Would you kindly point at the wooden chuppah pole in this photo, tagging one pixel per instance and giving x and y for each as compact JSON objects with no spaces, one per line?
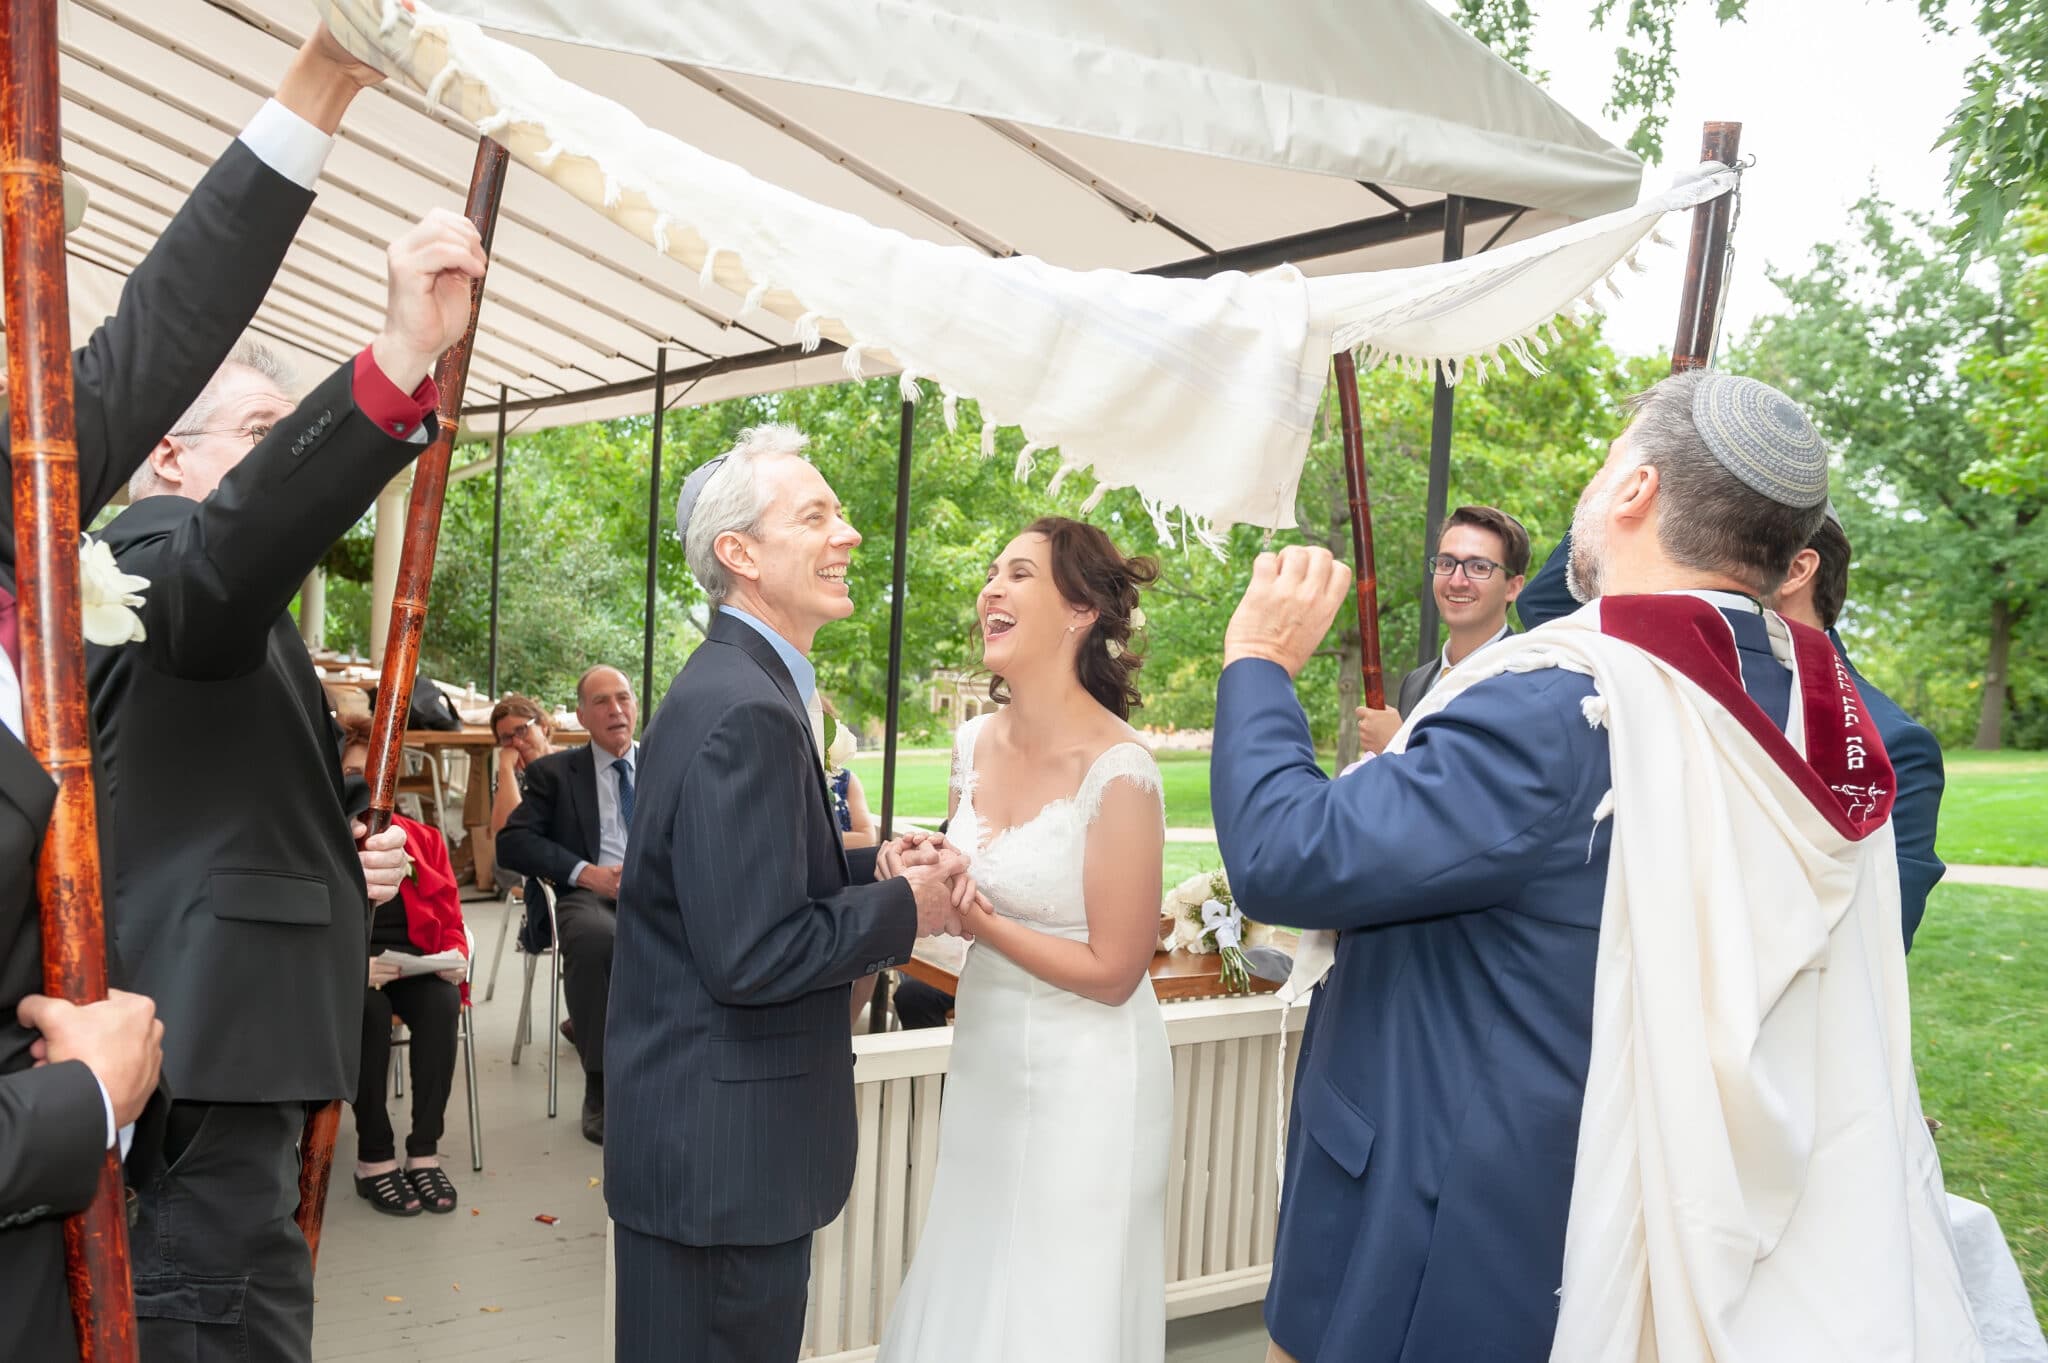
{"x":1706,"y":262}
{"x":408,"y":620}
{"x":55,"y":723}
{"x":1361,"y":533}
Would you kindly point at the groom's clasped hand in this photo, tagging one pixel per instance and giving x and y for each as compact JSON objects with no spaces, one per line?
{"x":938,"y":876}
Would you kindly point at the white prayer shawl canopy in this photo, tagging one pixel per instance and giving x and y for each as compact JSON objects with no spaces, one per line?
{"x":1199,"y":393}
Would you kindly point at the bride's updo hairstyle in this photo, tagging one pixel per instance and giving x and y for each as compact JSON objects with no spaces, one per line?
{"x":1089,"y":570}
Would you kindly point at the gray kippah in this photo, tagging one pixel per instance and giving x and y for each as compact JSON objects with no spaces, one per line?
{"x":1762,"y":437}
{"x":693,"y":488}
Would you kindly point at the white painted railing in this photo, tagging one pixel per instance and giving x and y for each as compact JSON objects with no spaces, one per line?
{"x":1221,"y":1194}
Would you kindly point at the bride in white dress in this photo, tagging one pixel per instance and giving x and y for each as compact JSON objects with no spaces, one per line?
{"x":1045,"y":1242}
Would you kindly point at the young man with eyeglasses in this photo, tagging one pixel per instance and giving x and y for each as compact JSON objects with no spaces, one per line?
{"x":1476,"y":573}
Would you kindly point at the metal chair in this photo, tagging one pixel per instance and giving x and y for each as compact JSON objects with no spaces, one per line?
{"x":400,"y":1037}
{"x":515,"y":906}
{"x":420,"y":778}
{"x":522,"y":1031}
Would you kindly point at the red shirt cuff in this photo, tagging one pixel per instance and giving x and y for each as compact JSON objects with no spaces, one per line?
{"x":398,"y":414}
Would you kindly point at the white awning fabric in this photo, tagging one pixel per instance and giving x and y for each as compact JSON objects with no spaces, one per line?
{"x":1198,"y":392}
{"x":1310,"y":131}
{"x":1378,"y":90}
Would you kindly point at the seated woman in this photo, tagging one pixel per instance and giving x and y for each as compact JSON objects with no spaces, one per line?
{"x":424,"y":920}
{"x":525,"y":733}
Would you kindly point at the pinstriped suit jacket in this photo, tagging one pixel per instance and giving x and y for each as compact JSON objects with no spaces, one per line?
{"x":729,"y":1116}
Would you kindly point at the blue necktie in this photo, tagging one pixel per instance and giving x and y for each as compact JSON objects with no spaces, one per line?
{"x":624,"y":767}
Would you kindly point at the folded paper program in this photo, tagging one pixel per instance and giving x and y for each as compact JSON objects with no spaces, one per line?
{"x":1198,"y":393}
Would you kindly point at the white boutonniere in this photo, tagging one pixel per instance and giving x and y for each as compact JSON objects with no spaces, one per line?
{"x":839,"y":747}
{"x":108,"y":597}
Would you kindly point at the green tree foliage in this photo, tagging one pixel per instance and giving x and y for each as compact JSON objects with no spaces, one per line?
{"x":1645,"y":62}
{"x":1899,"y":356}
{"x":1999,"y":133}
{"x":574,"y":543}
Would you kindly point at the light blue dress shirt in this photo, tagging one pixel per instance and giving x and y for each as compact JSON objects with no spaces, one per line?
{"x":800,"y":670}
{"x":611,"y":824}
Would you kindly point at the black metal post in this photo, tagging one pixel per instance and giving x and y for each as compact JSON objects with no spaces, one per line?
{"x":896,"y":591}
{"x":878,"y":1012}
{"x":654,"y":525}
{"x":1426,"y":644}
{"x":497,"y":525}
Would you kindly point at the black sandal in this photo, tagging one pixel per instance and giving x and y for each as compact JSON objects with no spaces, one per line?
{"x":436,"y":1191}
{"x":389,"y":1193}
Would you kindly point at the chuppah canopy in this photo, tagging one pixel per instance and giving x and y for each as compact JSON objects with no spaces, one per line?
{"x":1197,"y":391}
{"x":1340,"y":131}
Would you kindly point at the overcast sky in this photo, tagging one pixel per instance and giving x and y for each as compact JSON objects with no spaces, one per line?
{"x":1833,"y":95}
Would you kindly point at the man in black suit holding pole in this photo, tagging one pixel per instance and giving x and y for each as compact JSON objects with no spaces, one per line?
{"x":239,"y":901}
{"x":571,"y":829}
{"x":743,"y":924}
{"x":179,"y":314}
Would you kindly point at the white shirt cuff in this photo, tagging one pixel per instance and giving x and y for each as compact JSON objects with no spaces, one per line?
{"x":124,"y":1136}
{"x":575,"y":876}
{"x":287,"y":144}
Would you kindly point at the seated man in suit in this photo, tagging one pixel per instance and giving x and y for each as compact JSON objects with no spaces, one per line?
{"x":179,"y":314}
{"x":571,"y":830}
{"x":239,"y":899}
{"x":1475,"y":574}
{"x":1813,"y":594}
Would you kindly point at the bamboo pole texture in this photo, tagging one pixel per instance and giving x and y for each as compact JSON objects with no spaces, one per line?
{"x":402,"y":642}
{"x":42,"y":426}
{"x":1699,"y":307}
{"x":1361,"y":533}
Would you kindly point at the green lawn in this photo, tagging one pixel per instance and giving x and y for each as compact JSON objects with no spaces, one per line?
{"x":1980,"y":1034}
{"x":1994,"y":811}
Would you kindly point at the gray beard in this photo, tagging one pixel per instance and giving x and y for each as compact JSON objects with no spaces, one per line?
{"x":1583,"y":588}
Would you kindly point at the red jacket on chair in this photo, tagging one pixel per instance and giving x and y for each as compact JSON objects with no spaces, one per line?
{"x":433,"y":904}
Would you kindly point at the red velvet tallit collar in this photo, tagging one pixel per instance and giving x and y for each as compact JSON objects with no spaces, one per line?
{"x":1845,"y":773}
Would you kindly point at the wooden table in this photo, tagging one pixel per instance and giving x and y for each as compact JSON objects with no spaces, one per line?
{"x":1176,"y":975}
{"x":480,"y":744}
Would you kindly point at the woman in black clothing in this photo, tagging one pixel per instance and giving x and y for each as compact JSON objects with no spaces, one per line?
{"x":425,"y":919}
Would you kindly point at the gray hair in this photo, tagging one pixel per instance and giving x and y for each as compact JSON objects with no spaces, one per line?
{"x":1710,"y":520}
{"x":250,"y":354}
{"x":734,"y":501}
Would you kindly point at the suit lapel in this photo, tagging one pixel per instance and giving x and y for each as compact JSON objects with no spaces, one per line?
{"x":748,"y":640}
{"x":583,"y":792}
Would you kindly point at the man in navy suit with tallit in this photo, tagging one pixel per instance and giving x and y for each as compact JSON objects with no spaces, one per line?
{"x":1607,"y":1057}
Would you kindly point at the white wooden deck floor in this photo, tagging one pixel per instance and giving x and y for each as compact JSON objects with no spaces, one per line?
{"x":490,"y":1284}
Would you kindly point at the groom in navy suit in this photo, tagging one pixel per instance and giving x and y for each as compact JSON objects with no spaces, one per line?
{"x":742,"y":926}
{"x":1431,"y":1146}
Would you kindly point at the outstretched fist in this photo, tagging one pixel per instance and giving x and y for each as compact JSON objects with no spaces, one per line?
{"x":1287,"y":610}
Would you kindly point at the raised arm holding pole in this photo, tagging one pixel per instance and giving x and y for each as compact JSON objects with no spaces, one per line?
{"x":402,"y":644}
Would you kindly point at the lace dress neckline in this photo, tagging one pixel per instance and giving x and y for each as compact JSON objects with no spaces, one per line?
{"x":967,"y":777}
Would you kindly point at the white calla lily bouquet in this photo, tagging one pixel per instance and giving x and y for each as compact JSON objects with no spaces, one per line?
{"x":1199,"y":916}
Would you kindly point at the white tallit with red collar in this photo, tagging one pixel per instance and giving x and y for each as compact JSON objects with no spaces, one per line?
{"x":1754,"y":1180}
